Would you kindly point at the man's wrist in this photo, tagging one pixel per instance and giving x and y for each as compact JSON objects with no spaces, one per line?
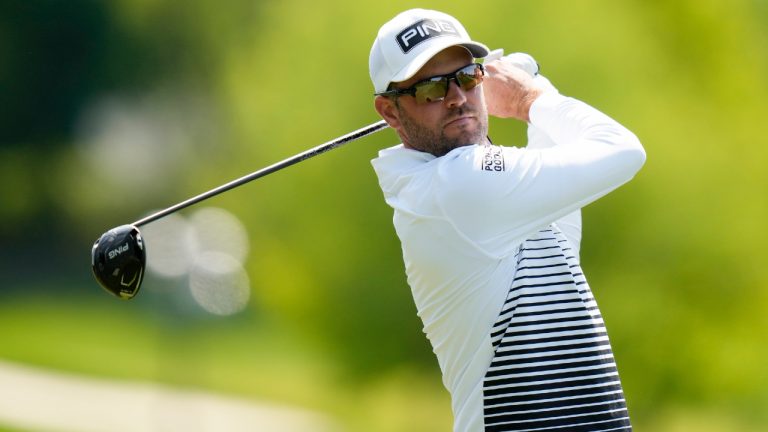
{"x":527,"y":101}
{"x":545,"y":103}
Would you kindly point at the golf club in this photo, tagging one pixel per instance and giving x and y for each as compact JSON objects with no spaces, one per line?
{"x":118,"y":257}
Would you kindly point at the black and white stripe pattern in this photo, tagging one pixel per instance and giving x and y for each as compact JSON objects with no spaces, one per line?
{"x":553,"y":368}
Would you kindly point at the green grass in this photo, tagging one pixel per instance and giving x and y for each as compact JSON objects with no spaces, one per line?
{"x":235,"y":356}
{"x":10,"y":429}
{"x":253,"y":359}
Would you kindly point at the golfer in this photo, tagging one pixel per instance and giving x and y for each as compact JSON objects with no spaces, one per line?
{"x":490,"y":234}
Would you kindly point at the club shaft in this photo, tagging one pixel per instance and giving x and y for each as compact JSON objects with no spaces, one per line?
{"x":322,"y":148}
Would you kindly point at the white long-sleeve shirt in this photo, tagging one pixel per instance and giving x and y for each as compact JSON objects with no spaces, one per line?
{"x":462,"y":217}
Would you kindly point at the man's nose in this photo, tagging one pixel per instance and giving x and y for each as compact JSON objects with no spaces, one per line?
{"x":454,"y":96}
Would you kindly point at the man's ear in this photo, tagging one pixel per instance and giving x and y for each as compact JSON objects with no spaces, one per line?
{"x":388,"y":111}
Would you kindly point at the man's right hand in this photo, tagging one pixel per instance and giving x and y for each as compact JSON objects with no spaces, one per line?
{"x":509,"y":90}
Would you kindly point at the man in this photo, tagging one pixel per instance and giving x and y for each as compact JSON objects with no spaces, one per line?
{"x":490,"y":234}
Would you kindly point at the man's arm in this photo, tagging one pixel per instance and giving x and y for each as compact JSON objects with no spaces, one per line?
{"x":570,"y":224}
{"x":593,"y":155}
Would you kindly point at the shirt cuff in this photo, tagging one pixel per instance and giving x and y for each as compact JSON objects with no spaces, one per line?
{"x":545,"y":105}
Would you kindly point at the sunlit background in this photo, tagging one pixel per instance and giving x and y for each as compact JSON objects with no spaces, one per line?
{"x":282,"y":305}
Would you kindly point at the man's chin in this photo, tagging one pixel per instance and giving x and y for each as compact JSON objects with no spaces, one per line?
{"x":464,"y":138}
{"x":466,"y":129}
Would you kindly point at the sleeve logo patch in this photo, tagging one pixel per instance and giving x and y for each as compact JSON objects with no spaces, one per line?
{"x":493,"y":159}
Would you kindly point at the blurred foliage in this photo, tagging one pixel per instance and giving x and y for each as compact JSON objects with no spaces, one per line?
{"x":202,"y":92}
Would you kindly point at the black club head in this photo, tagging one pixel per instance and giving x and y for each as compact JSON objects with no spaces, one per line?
{"x":118,"y":258}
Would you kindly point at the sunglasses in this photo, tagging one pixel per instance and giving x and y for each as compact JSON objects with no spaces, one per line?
{"x":435,"y":88}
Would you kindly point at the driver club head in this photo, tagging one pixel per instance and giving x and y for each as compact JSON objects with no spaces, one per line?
{"x":118,"y":258}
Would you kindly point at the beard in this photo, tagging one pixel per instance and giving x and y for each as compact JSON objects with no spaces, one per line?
{"x":435,"y":141}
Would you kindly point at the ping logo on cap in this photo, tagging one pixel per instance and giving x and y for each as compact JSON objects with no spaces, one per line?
{"x":423,"y":30}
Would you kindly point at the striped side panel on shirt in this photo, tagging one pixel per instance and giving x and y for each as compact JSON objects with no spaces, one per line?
{"x":553,"y":368}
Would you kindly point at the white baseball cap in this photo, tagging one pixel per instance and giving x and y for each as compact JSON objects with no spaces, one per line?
{"x":409,"y":40}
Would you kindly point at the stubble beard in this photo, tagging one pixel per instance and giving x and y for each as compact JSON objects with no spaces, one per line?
{"x":435,"y":141}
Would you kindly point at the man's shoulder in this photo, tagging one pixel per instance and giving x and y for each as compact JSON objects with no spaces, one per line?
{"x":401,"y":154}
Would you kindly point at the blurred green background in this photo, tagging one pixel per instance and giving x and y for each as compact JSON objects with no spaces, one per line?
{"x":110,"y":109}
